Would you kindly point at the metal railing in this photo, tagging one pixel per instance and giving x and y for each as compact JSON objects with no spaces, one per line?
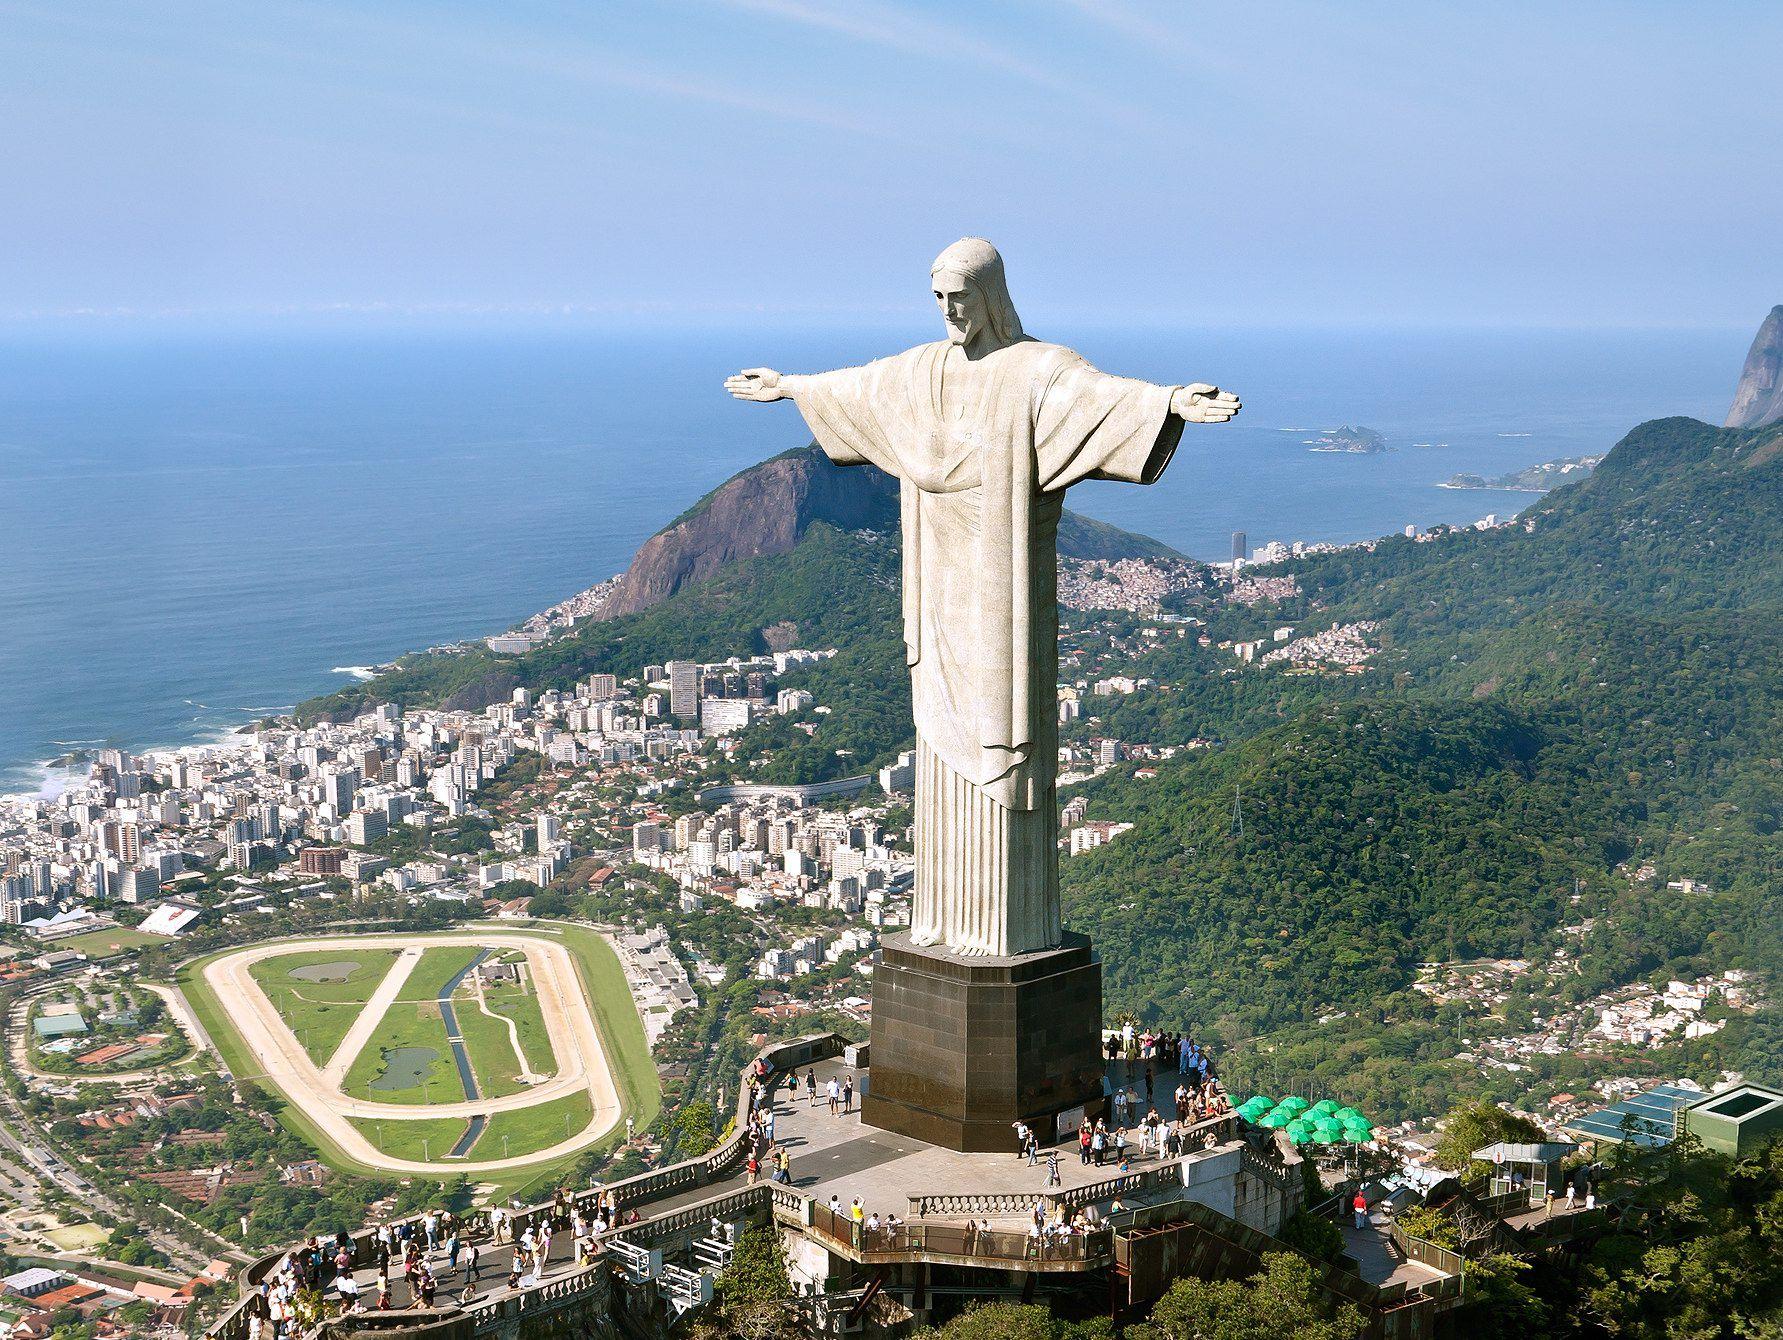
{"x":1427,"y":1253}
{"x":966,"y":1242}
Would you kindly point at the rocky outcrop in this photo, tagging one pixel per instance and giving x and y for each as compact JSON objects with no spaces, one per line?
{"x":767,"y":509}
{"x":1759,"y":399}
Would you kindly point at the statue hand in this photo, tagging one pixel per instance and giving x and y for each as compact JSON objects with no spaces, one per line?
{"x":1201,"y":403}
{"x":758,"y":384}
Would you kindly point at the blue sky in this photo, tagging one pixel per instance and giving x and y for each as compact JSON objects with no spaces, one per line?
{"x":1273,"y":164}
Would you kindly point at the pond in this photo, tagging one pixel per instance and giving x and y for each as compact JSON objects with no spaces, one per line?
{"x":405,"y":1068}
{"x":325,"y":972}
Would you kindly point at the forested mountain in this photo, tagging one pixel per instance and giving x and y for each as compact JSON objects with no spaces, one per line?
{"x":1556,"y":705}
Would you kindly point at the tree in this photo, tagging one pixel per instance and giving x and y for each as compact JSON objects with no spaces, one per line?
{"x":1477,"y":1124}
{"x":695,"y":1129}
{"x":1316,"y":1236}
{"x":754,"y":1294}
{"x":1283,"y":1297}
{"x":1016,"y":1321}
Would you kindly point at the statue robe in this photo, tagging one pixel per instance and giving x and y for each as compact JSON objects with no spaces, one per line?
{"x":984,"y":450}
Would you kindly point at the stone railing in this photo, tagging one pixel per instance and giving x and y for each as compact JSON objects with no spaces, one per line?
{"x":717,"y":1163}
{"x":974,"y":1203}
{"x":1128,"y":1184}
{"x":1264,"y":1169}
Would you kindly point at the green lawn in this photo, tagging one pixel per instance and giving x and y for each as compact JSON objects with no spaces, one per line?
{"x":408,"y":1027}
{"x":528,"y":1129}
{"x":425,"y":1140}
{"x":491,"y":1050}
{"x":115,"y":940}
{"x":522,"y":1006}
{"x":438,"y":966}
{"x":492,"y":1047}
{"x":321,"y":1012}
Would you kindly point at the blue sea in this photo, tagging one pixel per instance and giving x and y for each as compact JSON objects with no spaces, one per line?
{"x":197,"y":529}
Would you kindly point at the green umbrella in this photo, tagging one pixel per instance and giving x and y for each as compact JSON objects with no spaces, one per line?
{"x":1300,"y":1124}
{"x":1296,"y":1102}
{"x":1274,"y":1121}
{"x":1347,"y":1114}
{"x":1260,"y":1099}
{"x":1324,"y":1137}
{"x":1357,"y":1134}
{"x":1299,"y":1137}
{"x":1324,"y":1107}
{"x":1329,"y":1125}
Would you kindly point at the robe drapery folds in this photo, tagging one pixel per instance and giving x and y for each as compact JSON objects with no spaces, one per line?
{"x":984,"y":450}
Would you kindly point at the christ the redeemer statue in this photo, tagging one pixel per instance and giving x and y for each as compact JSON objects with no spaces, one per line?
{"x":985,"y":430}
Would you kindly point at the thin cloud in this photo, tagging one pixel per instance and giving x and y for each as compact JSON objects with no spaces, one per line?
{"x":896,"y":29}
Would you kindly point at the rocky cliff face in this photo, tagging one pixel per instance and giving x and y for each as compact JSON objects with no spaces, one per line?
{"x":767,"y":509}
{"x":1759,"y":399}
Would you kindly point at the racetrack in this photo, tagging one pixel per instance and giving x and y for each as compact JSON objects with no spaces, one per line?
{"x":282,"y":1061}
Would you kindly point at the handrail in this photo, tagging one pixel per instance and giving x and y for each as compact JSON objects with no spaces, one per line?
{"x":1427,"y":1253}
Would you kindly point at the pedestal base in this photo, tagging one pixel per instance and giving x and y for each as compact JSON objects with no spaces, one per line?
{"x":964,"y":1047}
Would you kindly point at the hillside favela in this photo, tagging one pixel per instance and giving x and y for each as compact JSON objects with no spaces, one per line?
{"x":508,"y":831}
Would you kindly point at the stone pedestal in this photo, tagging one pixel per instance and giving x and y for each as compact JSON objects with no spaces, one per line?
{"x":962,"y":1047}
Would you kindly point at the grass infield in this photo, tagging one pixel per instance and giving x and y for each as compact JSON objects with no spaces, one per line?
{"x":622,"y":1036}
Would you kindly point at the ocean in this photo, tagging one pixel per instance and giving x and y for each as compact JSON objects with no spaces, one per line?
{"x":196,"y":530}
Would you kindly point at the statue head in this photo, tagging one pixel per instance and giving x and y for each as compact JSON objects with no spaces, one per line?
{"x":973,"y":295}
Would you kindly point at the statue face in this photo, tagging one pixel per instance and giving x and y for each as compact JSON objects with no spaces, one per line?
{"x":962,"y":307}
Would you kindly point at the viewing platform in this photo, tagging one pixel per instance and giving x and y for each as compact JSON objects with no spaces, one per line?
{"x":947,"y":1223}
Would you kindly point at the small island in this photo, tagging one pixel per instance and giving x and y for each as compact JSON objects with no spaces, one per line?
{"x":1360,"y":441}
{"x":1531,"y":479}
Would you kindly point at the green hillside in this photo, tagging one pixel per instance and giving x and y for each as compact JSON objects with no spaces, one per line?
{"x":1554,"y":709}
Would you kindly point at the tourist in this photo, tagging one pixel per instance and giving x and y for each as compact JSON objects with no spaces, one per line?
{"x":1052,"y":1168}
{"x":754,"y":1166}
{"x":1572,"y":1193}
{"x":1360,"y":1206}
{"x":834,"y":1092}
{"x":848,"y":1094}
{"x":514,"y":1273}
{"x":1084,"y":1138}
{"x":473,"y":1263}
{"x":1098,"y":1142}
{"x":857,"y":1214}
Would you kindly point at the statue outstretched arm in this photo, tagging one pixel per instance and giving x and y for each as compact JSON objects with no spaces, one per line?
{"x":1201,"y":403}
{"x":762,"y":385}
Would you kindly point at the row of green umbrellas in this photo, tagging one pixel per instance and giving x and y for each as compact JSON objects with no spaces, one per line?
{"x":1322,"y":1123}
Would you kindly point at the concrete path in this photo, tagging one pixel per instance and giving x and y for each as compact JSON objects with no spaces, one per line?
{"x":367,"y":1021}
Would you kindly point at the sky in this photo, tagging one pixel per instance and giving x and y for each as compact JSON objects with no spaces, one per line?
{"x":1586,"y":164}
